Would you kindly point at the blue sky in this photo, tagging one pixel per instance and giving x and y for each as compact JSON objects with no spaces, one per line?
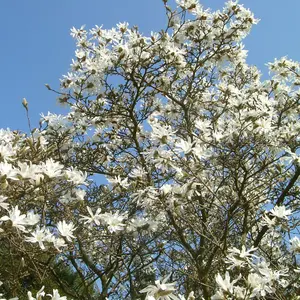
{"x":36,"y":47}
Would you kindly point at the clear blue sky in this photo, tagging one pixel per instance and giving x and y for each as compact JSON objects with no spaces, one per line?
{"x":36,"y":47}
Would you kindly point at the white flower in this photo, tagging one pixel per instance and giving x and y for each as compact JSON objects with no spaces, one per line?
{"x":66,"y":229}
{"x":243,"y":253}
{"x":137,"y":172}
{"x":239,"y":258}
{"x":114,"y":221}
{"x":16,"y":218}
{"x":38,"y":296}
{"x":199,"y":151}
{"x":56,"y":296}
{"x":93,"y":217}
{"x":58,"y":243}
{"x":280,"y":212}
{"x":254,"y":280}
{"x":225,"y":283}
{"x":162,"y":133}
{"x":78,"y":33}
{"x":153,"y":225}
{"x":32,"y":218}
{"x":51,"y":168}
{"x":258,"y":284}
{"x":2,"y":203}
{"x":8,"y":170}
{"x":75,"y":176}
{"x":269,"y":274}
{"x":28,"y":170}
{"x":268,"y":221}
{"x":187,"y":4}
{"x":80,"y":194}
{"x":264,"y":125}
{"x":38,"y":236}
{"x":166,"y":188}
{"x":295,"y":244}
{"x":119,"y":181}
{"x":185,"y":146}
{"x":66,"y":198}
{"x":6,"y":151}
{"x":218,"y":295}
{"x":297,"y":270}
{"x":80,"y":54}
{"x":160,"y":291}
{"x":137,"y":223}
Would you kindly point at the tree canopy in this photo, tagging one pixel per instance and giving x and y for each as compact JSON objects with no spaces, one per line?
{"x":175,"y":174}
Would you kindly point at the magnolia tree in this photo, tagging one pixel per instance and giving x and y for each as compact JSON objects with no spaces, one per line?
{"x":173,"y":176}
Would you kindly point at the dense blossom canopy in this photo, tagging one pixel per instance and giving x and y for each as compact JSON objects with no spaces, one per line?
{"x":175,"y":174}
